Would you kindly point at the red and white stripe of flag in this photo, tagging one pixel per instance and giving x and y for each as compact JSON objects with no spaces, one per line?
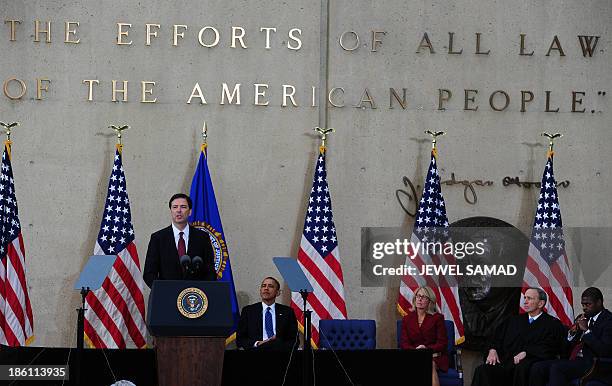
{"x":325,"y":276}
{"x":554,"y":279}
{"x":16,"y":319}
{"x":115,"y":317}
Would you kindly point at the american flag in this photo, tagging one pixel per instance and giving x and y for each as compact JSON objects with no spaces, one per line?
{"x":547,"y":263}
{"x":115,"y":313}
{"x":430,"y":226}
{"x":16,"y":322}
{"x":319,"y":257}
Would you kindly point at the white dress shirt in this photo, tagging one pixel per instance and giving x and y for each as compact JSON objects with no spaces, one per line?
{"x":177,"y":236}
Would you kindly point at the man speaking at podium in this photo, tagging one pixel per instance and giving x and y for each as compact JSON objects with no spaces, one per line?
{"x":179,"y":251}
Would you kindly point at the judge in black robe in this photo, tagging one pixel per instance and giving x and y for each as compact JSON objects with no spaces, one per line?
{"x":519,"y":342}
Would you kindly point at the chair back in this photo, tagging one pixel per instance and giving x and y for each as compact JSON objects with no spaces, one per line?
{"x":349,"y":334}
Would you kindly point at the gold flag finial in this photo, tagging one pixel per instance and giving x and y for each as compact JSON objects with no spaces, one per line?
{"x":434,"y":135}
{"x":323,"y":133}
{"x":119,"y":130}
{"x":7,"y":129}
{"x":204,"y":137}
{"x":551,"y":140}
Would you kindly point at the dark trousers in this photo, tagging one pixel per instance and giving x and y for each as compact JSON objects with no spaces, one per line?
{"x":563,"y":371}
{"x":558,"y":372}
{"x":503,"y":374}
{"x":538,"y":375}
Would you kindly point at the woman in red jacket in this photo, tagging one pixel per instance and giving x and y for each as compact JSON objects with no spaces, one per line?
{"x":423,"y":328}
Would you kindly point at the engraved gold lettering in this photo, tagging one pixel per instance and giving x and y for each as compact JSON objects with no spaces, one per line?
{"x":443,"y":96}
{"x":526,"y":97}
{"x":393,"y":94}
{"x":522,"y":51}
{"x":21,"y":84}
{"x":577,"y":101}
{"x":238,"y":34}
{"x":38,"y":31}
{"x":230,"y":97}
{"x":197,"y":93}
{"x":176,"y":34}
{"x":40,"y":87}
{"x":425,"y":43}
{"x":293,"y":37}
{"x":332,"y":92}
{"x":492,"y":99}
{"x":70,"y":33}
{"x":268,"y":30}
{"x":146,"y":91}
{"x":122,"y":91}
{"x":341,"y":41}
{"x":150,"y":33}
{"x":200,"y":36}
{"x":121,"y":33}
{"x":469,"y":98}
{"x":375,"y":40}
{"x":289,"y":95}
{"x":12,"y":28}
{"x":260,"y":94}
{"x":90,"y":82}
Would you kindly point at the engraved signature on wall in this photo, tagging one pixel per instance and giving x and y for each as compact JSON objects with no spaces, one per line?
{"x":408,"y":198}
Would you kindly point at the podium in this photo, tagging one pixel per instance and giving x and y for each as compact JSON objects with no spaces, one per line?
{"x":190,"y":321}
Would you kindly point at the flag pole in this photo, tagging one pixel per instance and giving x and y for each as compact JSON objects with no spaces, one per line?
{"x":323,"y":133}
{"x":551,"y":141}
{"x":118,"y":130}
{"x":7,"y":131}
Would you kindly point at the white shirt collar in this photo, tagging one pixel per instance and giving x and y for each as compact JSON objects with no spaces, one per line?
{"x":177,"y":231}
{"x":534,"y":318}
{"x":596,"y":316}
{"x":265,"y":306}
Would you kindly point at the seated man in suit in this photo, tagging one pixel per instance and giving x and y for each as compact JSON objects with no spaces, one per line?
{"x":267,"y":324}
{"x":519,"y":342}
{"x":168,"y":245}
{"x":589,"y":337}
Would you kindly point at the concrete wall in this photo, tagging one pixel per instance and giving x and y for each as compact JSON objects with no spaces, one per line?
{"x":262,"y":157}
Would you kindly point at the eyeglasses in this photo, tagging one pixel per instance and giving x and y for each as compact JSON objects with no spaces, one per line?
{"x":421,"y":297}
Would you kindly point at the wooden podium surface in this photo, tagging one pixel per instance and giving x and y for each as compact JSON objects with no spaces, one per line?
{"x":189,"y":361}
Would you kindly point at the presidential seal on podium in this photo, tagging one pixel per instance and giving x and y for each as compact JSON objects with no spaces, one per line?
{"x":192,"y":302}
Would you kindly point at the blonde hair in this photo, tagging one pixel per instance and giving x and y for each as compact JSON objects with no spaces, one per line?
{"x":430,"y":294}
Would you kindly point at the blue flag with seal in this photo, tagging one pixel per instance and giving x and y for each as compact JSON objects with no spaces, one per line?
{"x":205,"y":216}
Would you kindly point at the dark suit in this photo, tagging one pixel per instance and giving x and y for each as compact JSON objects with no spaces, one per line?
{"x":163,"y":263}
{"x":541,"y":340}
{"x":431,"y":333}
{"x":597,"y":343}
{"x":250,"y":327}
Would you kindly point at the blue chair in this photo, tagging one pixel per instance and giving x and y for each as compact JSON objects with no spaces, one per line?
{"x":454,"y":375}
{"x":347,"y":334}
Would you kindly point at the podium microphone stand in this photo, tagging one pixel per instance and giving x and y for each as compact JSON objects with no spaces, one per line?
{"x":306,"y":359}
{"x":292,"y":273}
{"x":92,"y":277}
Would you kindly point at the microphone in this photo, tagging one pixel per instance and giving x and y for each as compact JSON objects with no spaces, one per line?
{"x":197,"y":263}
{"x":186,"y":265}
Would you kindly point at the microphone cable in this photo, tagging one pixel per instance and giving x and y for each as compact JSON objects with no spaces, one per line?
{"x":337,"y":359}
{"x":295,"y":343}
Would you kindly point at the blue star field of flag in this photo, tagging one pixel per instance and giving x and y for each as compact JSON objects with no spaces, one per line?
{"x":319,"y":226}
{"x":431,"y":215}
{"x":116,"y":230}
{"x":8,"y":206}
{"x":547,"y":234}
